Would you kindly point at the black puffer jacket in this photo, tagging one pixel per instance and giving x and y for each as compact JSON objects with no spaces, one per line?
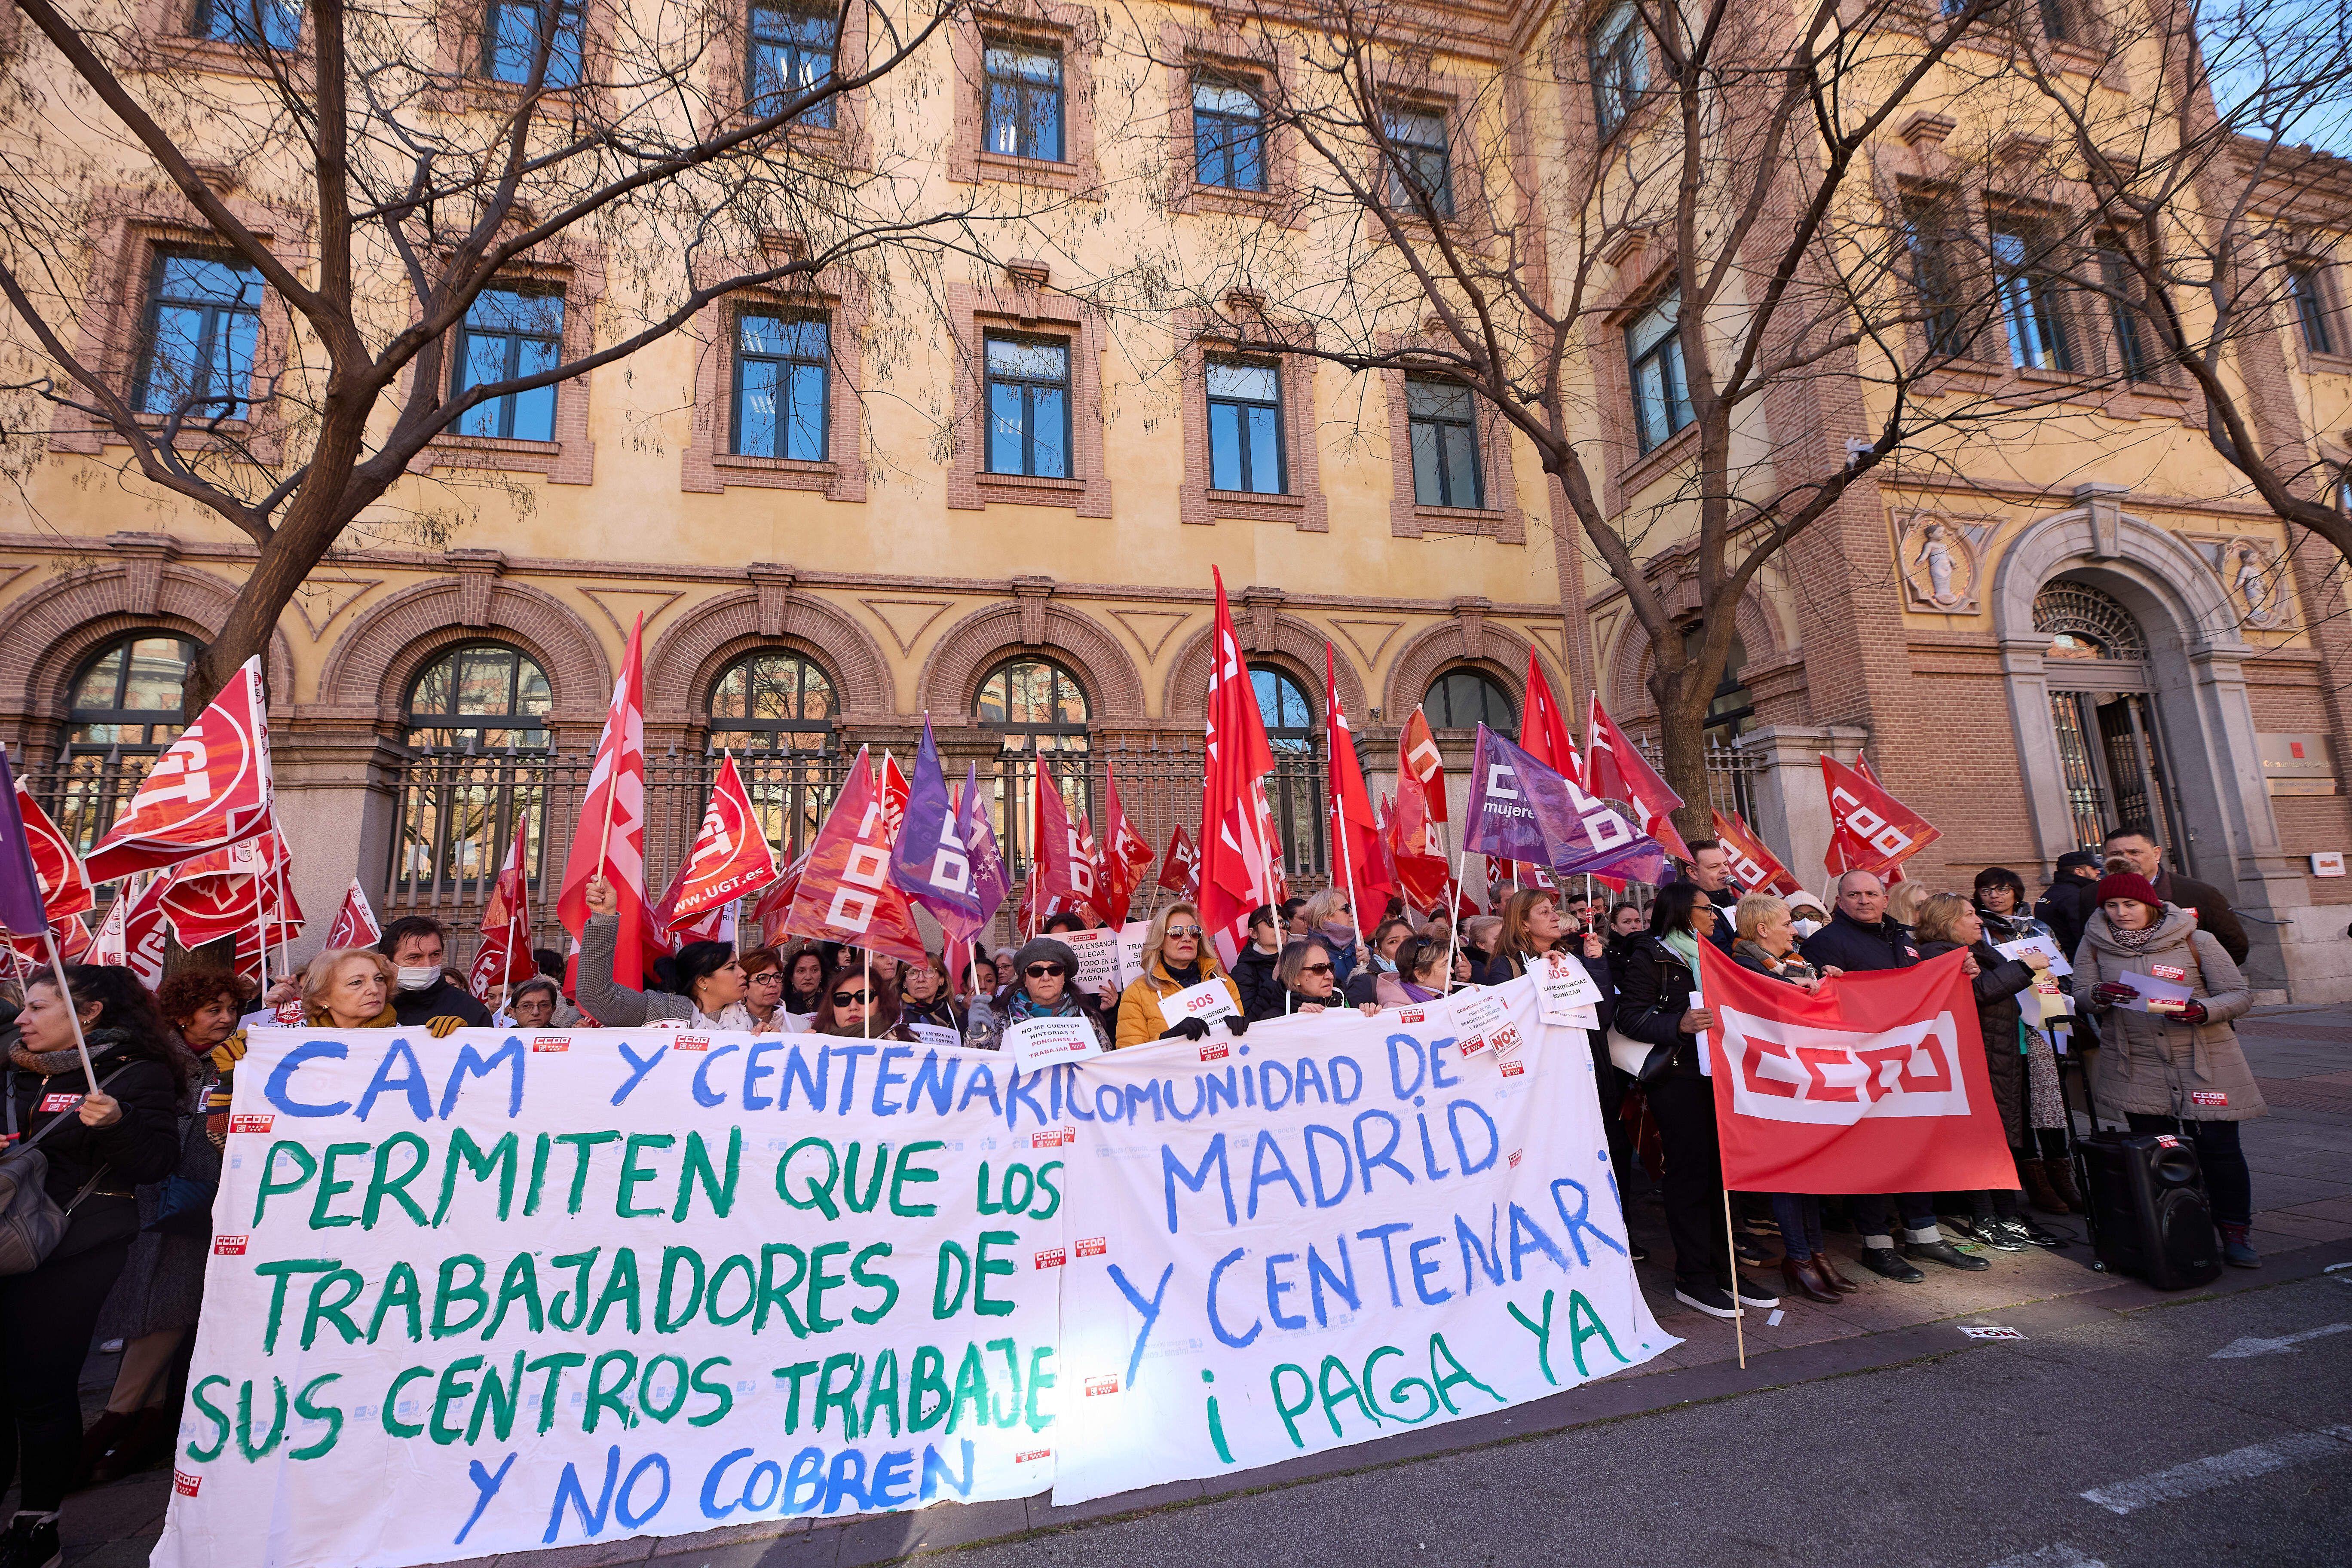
{"x":439,"y":1000}
{"x":143,"y":1146}
{"x":1846,"y":943}
{"x":1998,"y":983}
{"x":1254,"y":977}
{"x":1653,"y":991}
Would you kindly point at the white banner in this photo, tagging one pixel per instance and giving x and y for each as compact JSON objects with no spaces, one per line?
{"x":1334,"y":1229}
{"x":504,"y":1291}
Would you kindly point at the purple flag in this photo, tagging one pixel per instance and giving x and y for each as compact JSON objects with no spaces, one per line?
{"x":21,"y":909}
{"x":988,"y":883}
{"x":1521,"y":810}
{"x":930,"y":862}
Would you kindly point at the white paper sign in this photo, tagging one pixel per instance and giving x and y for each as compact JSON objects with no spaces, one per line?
{"x":1097,"y":953}
{"x":1477,"y":1011}
{"x":933,"y":1034}
{"x":2045,"y":945}
{"x":1208,"y":1001}
{"x":1034,"y":1044}
{"x":2152,"y":989}
{"x":1130,"y":951}
{"x":1565,"y":993}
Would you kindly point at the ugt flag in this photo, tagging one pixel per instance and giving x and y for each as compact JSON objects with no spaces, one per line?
{"x":1521,"y":810}
{"x":1875,"y":1083}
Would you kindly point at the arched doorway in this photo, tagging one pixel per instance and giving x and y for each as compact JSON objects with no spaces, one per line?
{"x":2102,"y":684}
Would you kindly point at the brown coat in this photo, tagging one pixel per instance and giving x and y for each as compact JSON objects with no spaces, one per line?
{"x":2157,"y":1066}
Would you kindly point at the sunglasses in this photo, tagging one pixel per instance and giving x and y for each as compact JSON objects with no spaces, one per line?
{"x":1040,"y":971}
{"x":844,"y":998}
{"x":1315,"y":969}
{"x":1183,"y":930}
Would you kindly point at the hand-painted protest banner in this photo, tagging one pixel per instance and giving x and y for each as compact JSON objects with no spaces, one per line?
{"x":507,"y":1290}
{"x":1336,"y":1229}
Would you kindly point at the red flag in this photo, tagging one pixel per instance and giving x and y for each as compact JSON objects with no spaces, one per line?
{"x":57,"y":869}
{"x":1870,"y":830}
{"x":609,"y":841}
{"x":132,"y":935}
{"x":1875,"y":1083}
{"x":893,"y":796}
{"x":846,"y":893}
{"x":229,"y":893}
{"x":1104,"y":887}
{"x":1422,"y":870}
{"x":1543,"y":727}
{"x":355,"y":925}
{"x":1239,"y":849}
{"x":731,"y":858}
{"x":776,"y":903}
{"x":211,"y":789}
{"x":1418,"y":759}
{"x":1753,"y":865}
{"x":1355,"y":830}
{"x":1125,"y":856}
{"x":505,"y":956}
{"x":1615,"y":771}
{"x":1180,"y":868}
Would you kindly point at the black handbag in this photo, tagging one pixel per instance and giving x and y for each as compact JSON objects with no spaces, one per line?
{"x":32,"y":1223}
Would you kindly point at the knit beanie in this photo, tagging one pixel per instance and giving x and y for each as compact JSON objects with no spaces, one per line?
{"x":2127,"y":885}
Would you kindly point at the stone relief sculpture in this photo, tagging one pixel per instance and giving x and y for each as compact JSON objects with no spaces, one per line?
{"x":1937,"y":558}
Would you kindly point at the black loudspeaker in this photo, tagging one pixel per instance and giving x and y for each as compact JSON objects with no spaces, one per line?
{"x":2150,"y":1213}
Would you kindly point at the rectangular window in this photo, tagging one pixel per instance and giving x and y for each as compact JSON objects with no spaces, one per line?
{"x":1620,"y":68}
{"x":204,"y":317}
{"x":1228,"y":136}
{"x":1418,"y":168}
{"x":1244,"y":427}
{"x":508,"y":333}
{"x":1653,"y":352}
{"x":256,"y":24}
{"x":781,"y":363}
{"x":1443,"y":424}
{"x":1024,"y":101}
{"x":2311,"y":308}
{"x":791,"y":54}
{"x":2029,"y":302}
{"x":1925,"y":240}
{"x":511,"y":45}
{"x":2122,"y":287}
{"x":1029,"y":407}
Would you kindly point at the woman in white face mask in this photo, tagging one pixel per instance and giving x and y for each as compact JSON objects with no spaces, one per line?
{"x":1806,"y":916}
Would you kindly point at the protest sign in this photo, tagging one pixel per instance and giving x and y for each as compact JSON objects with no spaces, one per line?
{"x":1208,"y":1000}
{"x":933,"y":1034}
{"x":1566,"y":993}
{"x":2157,"y":993}
{"x":1033,"y":1042}
{"x":1098,"y":958}
{"x":2045,"y":945}
{"x":514,"y":1289}
{"x":1130,"y":949}
{"x":1333,"y":1230}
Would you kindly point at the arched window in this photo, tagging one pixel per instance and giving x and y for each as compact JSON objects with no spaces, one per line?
{"x":123,"y":709}
{"x":129,"y":695}
{"x":479,"y":697}
{"x":1464,"y":699}
{"x":777,"y":708}
{"x":1037,"y":707}
{"x":1283,"y":704}
{"x":772,"y":702}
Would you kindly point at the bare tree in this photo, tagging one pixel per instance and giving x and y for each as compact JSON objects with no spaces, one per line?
{"x":2212,"y":223}
{"x":361,"y":181}
{"x":1623,"y":244}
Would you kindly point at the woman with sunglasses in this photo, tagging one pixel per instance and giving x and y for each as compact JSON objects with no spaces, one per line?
{"x":1176,"y":957}
{"x":858,"y":1006}
{"x":1309,"y":980}
{"x":1044,"y":972}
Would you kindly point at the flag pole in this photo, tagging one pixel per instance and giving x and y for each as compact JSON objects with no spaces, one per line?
{"x":1453,"y":921}
{"x":1731,"y":1253}
{"x":65,"y":994}
{"x":866,"y":1024}
{"x":1347,"y":858}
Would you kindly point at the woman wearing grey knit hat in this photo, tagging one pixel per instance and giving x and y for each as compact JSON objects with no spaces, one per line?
{"x":1044,"y":976}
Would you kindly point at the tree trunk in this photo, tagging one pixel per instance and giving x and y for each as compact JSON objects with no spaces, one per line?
{"x":1682,"y":744}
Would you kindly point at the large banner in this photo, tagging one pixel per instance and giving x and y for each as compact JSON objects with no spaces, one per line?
{"x":509,"y":1291}
{"x":1334,"y":1229}
{"x":504,"y":1290}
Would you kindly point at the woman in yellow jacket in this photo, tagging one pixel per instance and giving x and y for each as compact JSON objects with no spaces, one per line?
{"x":1176,"y":957}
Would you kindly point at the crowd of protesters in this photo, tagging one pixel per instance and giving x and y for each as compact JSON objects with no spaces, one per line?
{"x":136,"y":1162}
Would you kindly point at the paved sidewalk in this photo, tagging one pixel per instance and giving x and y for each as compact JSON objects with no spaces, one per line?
{"x":2301,"y":1154}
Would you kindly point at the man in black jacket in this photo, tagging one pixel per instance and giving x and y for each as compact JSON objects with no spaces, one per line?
{"x":1709,"y":871}
{"x":415,"y":944}
{"x":2066,"y":903}
{"x":1860,"y":937}
{"x":2140,"y":846}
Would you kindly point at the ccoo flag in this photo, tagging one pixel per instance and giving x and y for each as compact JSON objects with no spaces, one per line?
{"x":1521,"y":810}
{"x":930,"y":862}
{"x":211,"y":790}
{"x":845,"y":893}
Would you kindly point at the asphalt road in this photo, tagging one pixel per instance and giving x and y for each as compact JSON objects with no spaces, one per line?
{"x":1979,"y":1458}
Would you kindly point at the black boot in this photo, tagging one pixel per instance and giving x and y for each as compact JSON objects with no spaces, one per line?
{"x":1889,"y":1262}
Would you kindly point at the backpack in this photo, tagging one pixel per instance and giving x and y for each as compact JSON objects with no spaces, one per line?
{"x":31,"y":1222}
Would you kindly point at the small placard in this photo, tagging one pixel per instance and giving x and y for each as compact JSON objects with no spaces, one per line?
{"x":1130,"y":949}
{"x":934,"y":1033}
{"x":2155,"y":996}
{"x":1477,"y":1010}
{"x":1209,"y":1001}
{"x":1097,"y":953}
{"x":2045,"y":945}
{"x":1034,"y":1043}
{"x":1565,"y":993}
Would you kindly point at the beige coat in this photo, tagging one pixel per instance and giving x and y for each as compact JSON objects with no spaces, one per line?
{"x":2154,"y":1066}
